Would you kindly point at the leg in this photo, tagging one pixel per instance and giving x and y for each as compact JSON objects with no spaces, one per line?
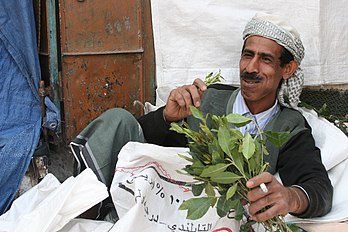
{"x":98,"y":145}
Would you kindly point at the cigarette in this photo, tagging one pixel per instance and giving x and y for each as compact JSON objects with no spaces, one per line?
{"x":263,"y":188}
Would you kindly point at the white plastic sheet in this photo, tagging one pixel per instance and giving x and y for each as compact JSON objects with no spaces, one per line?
{"x":50,"y":205}
{"x":86,"y":225}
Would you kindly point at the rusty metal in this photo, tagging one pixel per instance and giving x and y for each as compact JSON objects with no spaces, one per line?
{"x":106,"y":54}
{"x":89,"y":90}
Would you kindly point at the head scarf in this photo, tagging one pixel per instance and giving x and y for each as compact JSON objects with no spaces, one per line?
{"x":275,"y":28}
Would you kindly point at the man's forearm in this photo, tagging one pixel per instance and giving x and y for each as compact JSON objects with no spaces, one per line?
{"x":156,"y":130}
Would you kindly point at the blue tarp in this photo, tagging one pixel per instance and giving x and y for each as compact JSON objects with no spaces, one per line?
{"x":20,"y":118}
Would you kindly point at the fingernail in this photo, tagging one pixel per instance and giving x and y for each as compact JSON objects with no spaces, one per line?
{"x":249,"y":184}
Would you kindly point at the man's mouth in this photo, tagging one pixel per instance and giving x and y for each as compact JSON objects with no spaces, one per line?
{"x":251,"y":82}
{"x":251,"y":78}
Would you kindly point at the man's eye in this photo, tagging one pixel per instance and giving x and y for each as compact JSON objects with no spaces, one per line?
{"x":247,"y":55}
{"x":266,"y":59}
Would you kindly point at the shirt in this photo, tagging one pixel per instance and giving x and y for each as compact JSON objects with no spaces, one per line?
{"x":260,"y":120}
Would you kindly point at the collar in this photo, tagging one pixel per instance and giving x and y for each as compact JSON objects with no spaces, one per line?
{"x":261,"y":119}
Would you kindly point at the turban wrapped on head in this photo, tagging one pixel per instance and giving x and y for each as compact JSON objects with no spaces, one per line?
{"x":280,"y":31}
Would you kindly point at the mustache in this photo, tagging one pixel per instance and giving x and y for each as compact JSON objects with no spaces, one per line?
{"x":251,"y":76}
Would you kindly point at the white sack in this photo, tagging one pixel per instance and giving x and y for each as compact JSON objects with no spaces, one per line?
{"x":147,"y":192}
{"x":333,"y":143}
{"x":50,"y":205}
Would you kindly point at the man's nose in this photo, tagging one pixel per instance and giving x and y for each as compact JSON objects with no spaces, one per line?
{"x":253,"y":65}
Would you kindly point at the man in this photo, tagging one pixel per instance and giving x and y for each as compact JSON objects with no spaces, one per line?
{"x":270,"y":85}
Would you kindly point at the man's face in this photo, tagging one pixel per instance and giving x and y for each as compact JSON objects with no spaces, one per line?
{"x":260,"y":72}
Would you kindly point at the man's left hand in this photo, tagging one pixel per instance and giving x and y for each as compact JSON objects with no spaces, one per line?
{"x":277,"y":200}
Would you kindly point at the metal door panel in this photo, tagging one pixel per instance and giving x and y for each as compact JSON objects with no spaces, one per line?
{"x":107,"y":58}
{"x":97,"y":26}
{"x":94,"y":84}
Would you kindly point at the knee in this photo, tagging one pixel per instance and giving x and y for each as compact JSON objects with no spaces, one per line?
{"x":123,"y":123}
{"x":119,"y":116}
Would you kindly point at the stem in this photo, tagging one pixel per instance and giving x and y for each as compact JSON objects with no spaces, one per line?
{"x":259,"y":133}
{"x":240,"y":171}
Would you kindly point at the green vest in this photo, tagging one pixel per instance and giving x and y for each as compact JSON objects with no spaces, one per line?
{"x":220,"y":102}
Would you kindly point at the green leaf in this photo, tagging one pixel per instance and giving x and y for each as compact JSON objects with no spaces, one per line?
{"x":225,"y":140}
{"x":214,"y":169}
{"x":247,"y":226}
{"x":176,"y":127}
{"x":196,"y":168}
{"x":248,"y":146}
{"x":216,"y":157}
{"x":223,"y":205}
{"x":264,"y":167}
{"x":197,"y":207}
{"x":238,"y":207}
{"x":236,"y":134}
{"x":206,"y":131}
{"x":238,"y":159}
{"x":264,"y":150}
{"x":231,"y":191}
{"x":213,"y":201}
{"x":238,"y":120}
{"x":277,"y":138}
{"x":197,"y":189}
{"x":186,"y":157}
{"x":209,"y":190}
{"x":295,"y":228}
{"x":253,"y":165}
{"x":185,"y":129}
{"x":225,"y":178}
{"x":209,"y":75}
{"x":217,"y":154}
{"x":196,"y":151}
{"x":197,"y":113}
{"x":210,"y":79}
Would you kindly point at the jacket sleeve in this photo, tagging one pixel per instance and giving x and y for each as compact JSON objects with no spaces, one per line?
{"x":309,"y":173}
{"x":156,"y":130}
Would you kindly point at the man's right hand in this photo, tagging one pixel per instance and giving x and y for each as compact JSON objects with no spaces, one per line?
{"x":180,"y":100}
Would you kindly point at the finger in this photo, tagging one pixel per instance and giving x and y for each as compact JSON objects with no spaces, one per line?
{"x":260,"y":204}
{"x":257,"y":193}
{"x":256,"y":181}
{"x":194,"y":95}
{"x":200,"y":84}
{"x":268,"y":213}
{"x":264,"y":215}
{"x":278,"y":200}
{"x":181,"y":96}
{"x":186,"y":98}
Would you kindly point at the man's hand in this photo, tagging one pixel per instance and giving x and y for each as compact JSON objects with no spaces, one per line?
{"x":278,"y":199}
{"x":180,"y":100}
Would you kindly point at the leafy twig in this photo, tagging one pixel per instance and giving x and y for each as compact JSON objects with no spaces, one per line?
{"x":222,"y":161}
{"x":212,"y":78}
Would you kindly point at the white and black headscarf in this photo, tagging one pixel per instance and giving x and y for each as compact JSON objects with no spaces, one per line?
{"x":275,"y":28}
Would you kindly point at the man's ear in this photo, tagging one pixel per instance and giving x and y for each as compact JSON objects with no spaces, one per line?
{"x":289,"y":69}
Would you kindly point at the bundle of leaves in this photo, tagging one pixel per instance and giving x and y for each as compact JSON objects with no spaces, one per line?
{"x":222,"y":160}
